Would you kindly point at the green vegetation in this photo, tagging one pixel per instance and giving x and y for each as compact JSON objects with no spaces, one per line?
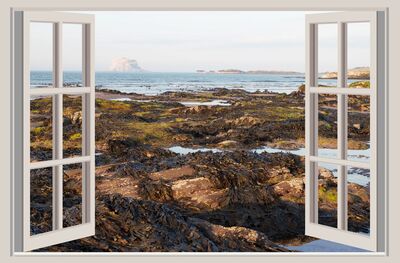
{"x":253,"y":120}
{"x":360,"y":84}
{"x":75,"y":136}
{"x":327,"y":195}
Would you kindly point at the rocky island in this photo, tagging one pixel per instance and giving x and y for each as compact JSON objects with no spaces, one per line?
{"x":221,"y":194}
{"x":355,"y":73}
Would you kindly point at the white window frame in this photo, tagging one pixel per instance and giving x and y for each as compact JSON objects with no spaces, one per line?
{"x":375,"y":241}
{"x":10,"y":143}
{"x":24,"y":241}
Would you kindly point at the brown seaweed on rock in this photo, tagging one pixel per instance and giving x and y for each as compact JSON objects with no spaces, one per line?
{"x":129,"y":225}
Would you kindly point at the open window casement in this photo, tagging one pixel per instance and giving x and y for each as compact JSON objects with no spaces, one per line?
{"x":54,"y":169}
{"x":338,"y":229}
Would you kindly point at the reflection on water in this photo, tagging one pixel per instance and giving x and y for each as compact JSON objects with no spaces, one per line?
{"x":206,"y":103}
{"x":356,"y":175}
{"x":183,"y":150}
{"x":325,"y":246}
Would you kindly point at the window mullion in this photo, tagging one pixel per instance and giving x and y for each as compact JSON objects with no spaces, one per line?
{"x":87,"y":126}
{"x":57,"y":130}
{"x":311,"y":109}
{"x":342,"y":127}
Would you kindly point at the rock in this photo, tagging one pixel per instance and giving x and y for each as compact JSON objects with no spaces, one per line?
{"x":129,"y":225}
{"x":125,"y":65}
{"x":290,"y":190}
{"x":198,"y":194}
{"x":245,"y":121}
{"x":355,"y":73}
{"x":198,"y":109}
{"x":325,"y":174}
{"x":76,"y":118}
{"x":227,"y":144}
{"x":302,"y":89}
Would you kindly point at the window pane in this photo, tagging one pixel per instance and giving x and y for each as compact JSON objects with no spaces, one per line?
{"x":72,"y":195}
{"x":358,"y":128}
{"x":358,"y":54}
{"x":41,"y":130}
{"x":327,"y":126}
{"x":358,"y":200}
{"x":72,"y":55}
{"x":327,"y":54}
{"x":327,"y":194}
{"x":41,"y":200}
{"x":72,"y":126}
{"x":41,"y":55}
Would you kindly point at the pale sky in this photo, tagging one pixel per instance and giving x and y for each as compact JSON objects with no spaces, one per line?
{"x":187,"y":41}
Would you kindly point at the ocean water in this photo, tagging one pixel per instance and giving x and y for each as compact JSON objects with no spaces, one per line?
{"x":355,"y":175}
{"x":153,"y":83}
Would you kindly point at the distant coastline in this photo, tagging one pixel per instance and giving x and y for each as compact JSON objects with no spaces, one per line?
{"x":354,"y":73}
{"x":238,"y":71}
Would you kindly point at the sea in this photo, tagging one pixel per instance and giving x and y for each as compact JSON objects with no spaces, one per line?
{"x":154,"y":83}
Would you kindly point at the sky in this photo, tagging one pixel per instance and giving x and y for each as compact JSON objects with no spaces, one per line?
{"x":183,"y":41}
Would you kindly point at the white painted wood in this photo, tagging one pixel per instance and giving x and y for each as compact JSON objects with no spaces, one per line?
{"x":57,"y":130}
{"x":59,"y":17}
{"x":342,"y":162}
{"x":87,"y":228}
{"x":340,"y":17}
{"x":340,"y":236}
{"x":88,"y":125}
{"x":26,"y":180}
{"x":373,"y":130}
{"x":53,"y":91}
{"x":67,"y":161}
{"x":17,"y":132}
{"x":311,"y":116}
{"x":342,"y":127}
{"x":341,"y":90}
{"x":376,"y":93}
{"x":59,"y":236}
{"x":381,"y":133}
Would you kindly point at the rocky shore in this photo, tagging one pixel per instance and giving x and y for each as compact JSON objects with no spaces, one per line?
{"x":354,"y":73}
{"x":152,"y":199}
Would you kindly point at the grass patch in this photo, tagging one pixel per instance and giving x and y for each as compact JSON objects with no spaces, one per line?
{"x":113,"y":105}
{"x":327,"y":195}
{"x":152,"y":133}
{"x":360,"y":84}
{"x":38,"y":130}
{"x":75,"y":136}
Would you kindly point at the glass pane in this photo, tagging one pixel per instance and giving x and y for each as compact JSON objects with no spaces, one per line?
{"x":72,"y":126}
{"x":41,"y":200}
{"x":41,"y":117}
{"x":358,"y":200}
{"x":72,"y":195}
{"x":41,"y":55}
{"x":327,"y":126}
{"x":358,"y":54}
{"x":72,"y":55}
{"x":358,"y":128}
{"x":327,"y":194}
{"x":327,"y":54}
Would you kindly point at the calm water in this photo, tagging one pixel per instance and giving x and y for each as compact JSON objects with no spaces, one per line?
{"x":151,"y":83}
{"x":355,"y":175}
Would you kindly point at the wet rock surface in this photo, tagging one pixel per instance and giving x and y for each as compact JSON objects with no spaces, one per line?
{"x":151,"y":199}
{"x":125,"y":224}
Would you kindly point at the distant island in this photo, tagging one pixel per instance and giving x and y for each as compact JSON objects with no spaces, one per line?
{"x":354,"y":73}
{"x":125,"y":65}
{"x":238,"y":71}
